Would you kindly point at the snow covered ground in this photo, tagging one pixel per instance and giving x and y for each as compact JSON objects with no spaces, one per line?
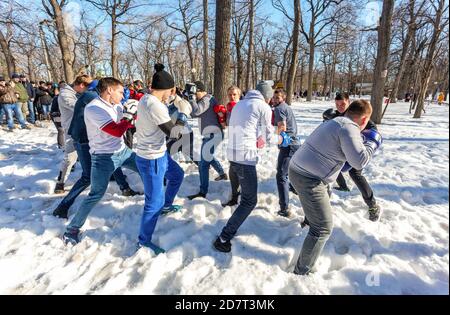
{"x":407,"y":252}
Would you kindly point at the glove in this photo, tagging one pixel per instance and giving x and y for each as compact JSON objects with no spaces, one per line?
{"x":286,"y":140}
{"x":329,"y":114}
{"x":126,"y":95}
{"x":130,"y":110}
{"x":347,"y":167}
{"x":260,"y":143}
{"x":183,"y":106}
{"x":181,"y":119}
{"x":371,"y":139}
{"x":221,"y":112}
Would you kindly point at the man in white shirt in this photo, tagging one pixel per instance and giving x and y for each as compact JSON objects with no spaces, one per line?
{"x":153,"y":161}
{"x":106,"y":122}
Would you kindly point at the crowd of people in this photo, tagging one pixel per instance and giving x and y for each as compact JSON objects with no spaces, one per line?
{"x":107,"y":126}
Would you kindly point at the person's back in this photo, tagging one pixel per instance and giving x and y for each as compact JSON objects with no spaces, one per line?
{"x":66,"y":101}
{"x":326,"y":150}
{"x":77,"y":129}
{"x":244,"y":128}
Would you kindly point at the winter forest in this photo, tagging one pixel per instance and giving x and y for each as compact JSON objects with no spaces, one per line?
{"x":120,"y":83}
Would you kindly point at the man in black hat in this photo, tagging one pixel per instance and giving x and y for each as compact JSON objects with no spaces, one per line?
{"x":203,"y":107}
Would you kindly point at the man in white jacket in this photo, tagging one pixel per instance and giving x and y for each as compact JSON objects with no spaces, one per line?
{"x":250,"y":128}
{"x":66,"y":102}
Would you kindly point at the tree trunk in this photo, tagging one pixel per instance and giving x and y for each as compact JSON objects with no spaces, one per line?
{"x":294,"y":58}
{"x":380,"y":72}
{"x":429,"y":60}
{"x":248,"y":83}
{"x":310,"y":70}
{"x":114,"y":57}
{"x":51,"y":72}
{"x":205,"y":42}
{"x":405,"y":48}
{"x":9,"y":58}
{"x":222,"y":50}
{"x":63,"y":40}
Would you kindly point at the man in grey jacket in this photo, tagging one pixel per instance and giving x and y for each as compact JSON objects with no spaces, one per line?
{"x":333,"y":145}
{"x":66,"y":102}
{"x":203,"y":107}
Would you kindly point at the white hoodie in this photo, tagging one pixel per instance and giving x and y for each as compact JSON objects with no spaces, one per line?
{"x":250,"y":119}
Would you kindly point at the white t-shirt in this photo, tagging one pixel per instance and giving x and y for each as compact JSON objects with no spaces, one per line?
{"x":151,"y":140}
{"x":97,"y":115}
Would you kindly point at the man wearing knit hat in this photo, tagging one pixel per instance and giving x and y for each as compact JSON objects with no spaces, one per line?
{"x":250,"y":128}
{"x":153,"y":161}
{"x":211,"y":130}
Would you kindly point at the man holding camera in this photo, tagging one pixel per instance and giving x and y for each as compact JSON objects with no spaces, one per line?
{"x":203,"y":107}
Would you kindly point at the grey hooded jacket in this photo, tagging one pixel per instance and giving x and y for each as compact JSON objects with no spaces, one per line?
{"x":326,"y":150}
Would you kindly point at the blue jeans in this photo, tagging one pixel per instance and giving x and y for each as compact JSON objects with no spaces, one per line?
{"x":103,"y":166}
{"x":248,"y":180}
{"x":31,"y":110}
{"x":174,"y":176}
{"x":152,"y":174}
{"x":85,"y":180}
{"x":46,"y":109}
{"x":284,"y":157}
{"x":2,"y":113}
{"x":209,"y":144}
{"x":10,"y":108}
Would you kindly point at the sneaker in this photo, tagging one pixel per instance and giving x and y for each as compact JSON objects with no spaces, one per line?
{"x":27,"y":127}
{"x":171,"y":209}
{"x":155,"y":248}
{"x":284,"y":213}
{"x":292,"y":189}
{"x":221,"y":177}
{"x":224,"y":247}
{"x":304,"y":223}
{"x":346,"y":189}
{"x":61,"y":212}
{"x":72,"y":237}
{"x":199,"y":195}
{"x":130,"y":192}
{"x":230,"y":203}
{"x":374,"y":213}
{"x":59,"y":188}
{"x":9,"y":130}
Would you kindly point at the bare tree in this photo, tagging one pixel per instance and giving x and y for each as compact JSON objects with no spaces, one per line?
{"x":439,"y":20}
{"x":190,"y":15}
{"x":116,"y":10}
{"x":222,"y":50}
{"x":250,"y":52}
{"x":54,"y":10}
{"x":380,"y":73}
{"x":205,"y":42}
{"x":294,"y":57}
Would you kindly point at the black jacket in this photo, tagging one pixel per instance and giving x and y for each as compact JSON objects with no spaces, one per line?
{"x":43,"y":97}
{"x":333,"y":113}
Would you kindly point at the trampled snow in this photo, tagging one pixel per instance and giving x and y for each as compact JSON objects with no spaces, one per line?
{"x":406,"y":252}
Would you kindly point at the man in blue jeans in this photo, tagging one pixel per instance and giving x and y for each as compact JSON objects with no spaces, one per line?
{"x":8,"y":101}
{"x":211,"y":130}
{"x":284,"y":120}
{"x":78,"y":132}
{"x":106,"y":122}
{"x":250,"y":128}
{"x":152,"y":159}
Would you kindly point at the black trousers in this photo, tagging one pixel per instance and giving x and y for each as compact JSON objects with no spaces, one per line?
{"x":362,"y":184}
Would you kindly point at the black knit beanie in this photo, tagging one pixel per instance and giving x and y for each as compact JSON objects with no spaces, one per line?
{"x":162,"y":80}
